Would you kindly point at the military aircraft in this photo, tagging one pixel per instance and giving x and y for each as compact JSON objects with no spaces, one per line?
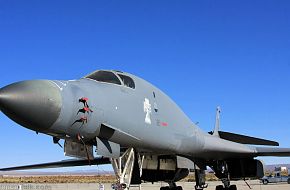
{"x":135,"y":127}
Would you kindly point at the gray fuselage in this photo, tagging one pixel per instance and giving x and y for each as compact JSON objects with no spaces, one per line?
{"x":122,"y":108}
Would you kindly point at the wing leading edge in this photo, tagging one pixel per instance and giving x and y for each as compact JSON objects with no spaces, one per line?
{"x":63,"y":163}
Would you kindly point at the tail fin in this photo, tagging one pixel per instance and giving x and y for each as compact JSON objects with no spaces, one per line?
{"x":217,"y":122}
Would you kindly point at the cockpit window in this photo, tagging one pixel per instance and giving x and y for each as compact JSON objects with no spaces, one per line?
{"x":127,"y":81}
{"x":104,"y":76}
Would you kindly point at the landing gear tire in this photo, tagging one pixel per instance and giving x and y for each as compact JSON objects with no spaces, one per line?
{"x":123,"y":186}
{"x":265,"y":182}
{"x":172,"y":188}
{"x":233,"y":187}
{"x":219,"y":187}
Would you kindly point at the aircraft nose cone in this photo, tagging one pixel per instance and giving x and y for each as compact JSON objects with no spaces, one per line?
{"x":34,"y":104}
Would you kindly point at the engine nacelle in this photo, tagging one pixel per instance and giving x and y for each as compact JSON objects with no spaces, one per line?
{"x":165,"y":168}
{"x":245,"y":168}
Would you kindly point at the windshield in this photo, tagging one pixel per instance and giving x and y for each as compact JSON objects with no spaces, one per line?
{"x":127,"y":81}
{"x":104,"y":76}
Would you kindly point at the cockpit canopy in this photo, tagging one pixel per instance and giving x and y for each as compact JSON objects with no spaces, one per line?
{"x":111,"y":77}
{"x":104,"y":76}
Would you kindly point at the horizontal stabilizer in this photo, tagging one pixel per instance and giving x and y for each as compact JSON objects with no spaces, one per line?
{"x":64,"y":163}
{"x":246,"y":139}
{"x":268,"y":151}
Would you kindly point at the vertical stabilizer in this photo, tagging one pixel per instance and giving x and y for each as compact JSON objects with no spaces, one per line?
{"x":217,"y":122}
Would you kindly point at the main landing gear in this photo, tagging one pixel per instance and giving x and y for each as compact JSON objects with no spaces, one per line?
{"x":222,"y":172}
{"x":226,"y":186}
{"x":220,"y":187}
{"x":172,"y":186}
{"x":200,"y":177}
{"x":200,"y":182}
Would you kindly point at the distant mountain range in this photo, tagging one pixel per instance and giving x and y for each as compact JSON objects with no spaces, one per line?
{"x":272,"y":167}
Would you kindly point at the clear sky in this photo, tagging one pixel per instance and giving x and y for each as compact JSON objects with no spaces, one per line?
{"x":235,"y":54}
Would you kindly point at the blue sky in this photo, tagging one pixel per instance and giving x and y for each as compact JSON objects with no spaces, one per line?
{"x":235,"y":54}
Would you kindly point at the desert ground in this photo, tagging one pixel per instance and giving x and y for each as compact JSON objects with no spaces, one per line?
{"x":255,"y":185}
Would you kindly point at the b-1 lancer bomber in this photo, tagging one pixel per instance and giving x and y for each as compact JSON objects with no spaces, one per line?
{"x":135,"y":127}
